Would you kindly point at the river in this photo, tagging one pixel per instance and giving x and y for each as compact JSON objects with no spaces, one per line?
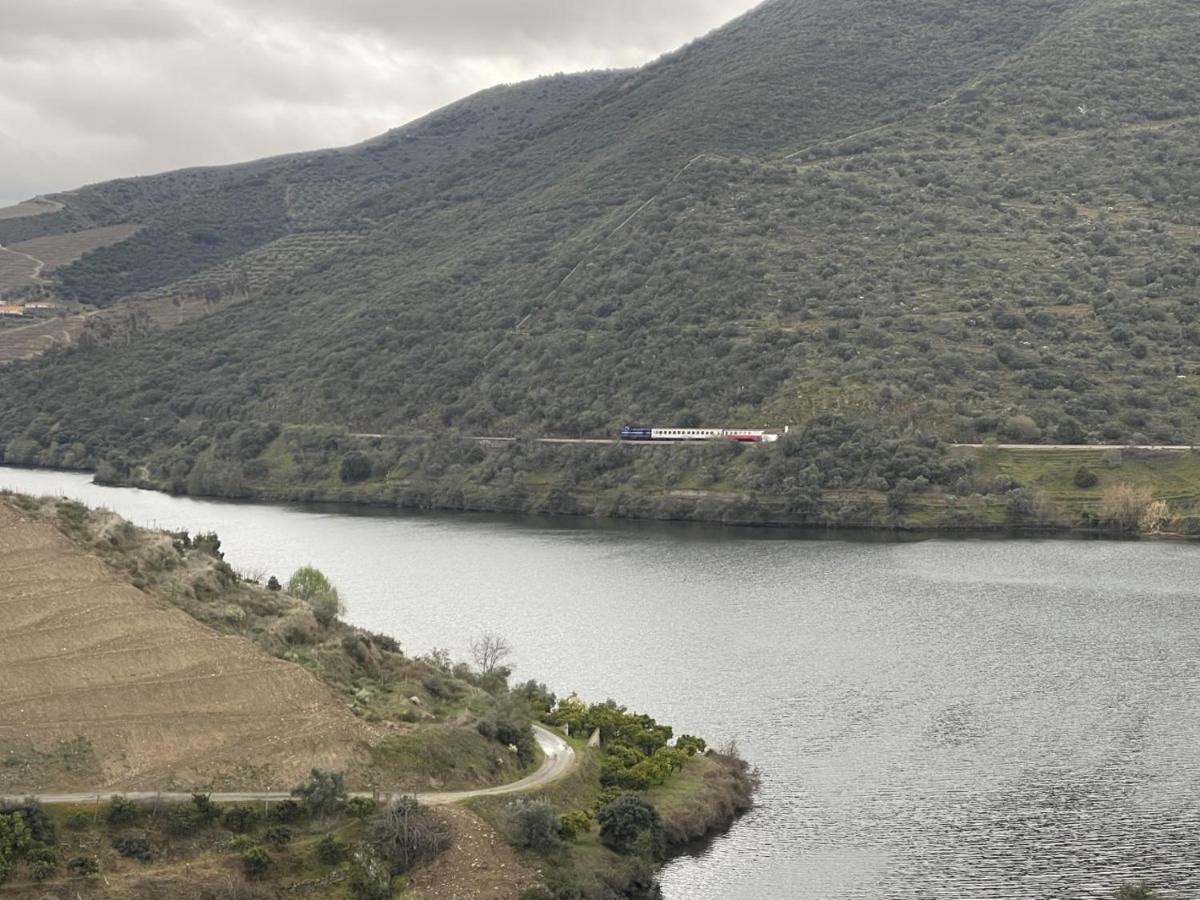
{"x":932,"y":719}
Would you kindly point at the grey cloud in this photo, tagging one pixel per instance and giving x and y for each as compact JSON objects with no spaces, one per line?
{"x":98,"y":89}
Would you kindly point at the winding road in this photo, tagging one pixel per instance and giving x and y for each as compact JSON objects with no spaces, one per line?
{"x":559,"y":760}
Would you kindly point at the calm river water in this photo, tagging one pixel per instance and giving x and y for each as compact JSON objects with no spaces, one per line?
{"x":937,"y":719}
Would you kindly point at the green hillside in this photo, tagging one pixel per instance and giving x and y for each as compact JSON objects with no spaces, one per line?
{"x":961,"y":218}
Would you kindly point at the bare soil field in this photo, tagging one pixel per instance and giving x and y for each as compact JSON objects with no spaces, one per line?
{"x":61,"y":249}
{"x":105,"y":687}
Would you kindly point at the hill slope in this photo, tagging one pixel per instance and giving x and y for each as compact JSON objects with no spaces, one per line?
{"x":105,"y":688}
{"x":973,"y":217}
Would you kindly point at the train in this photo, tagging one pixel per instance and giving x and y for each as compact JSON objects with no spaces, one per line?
{"x":740,"y":435}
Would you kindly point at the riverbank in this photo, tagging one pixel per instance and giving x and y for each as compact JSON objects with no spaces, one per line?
{"x":940,"y":489}
{"x":169,"y":670}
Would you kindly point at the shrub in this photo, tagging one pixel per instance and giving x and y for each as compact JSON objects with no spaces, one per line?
{"x":573,"y":825}
{"x":330,"y":851}
{"x":371,"y":879}
{"x":1085,"y":478}
{"x":43,"y":862}
{"x":122,"y":811}
{"x":326,"y":607}
{"x":630,"y":824}
{"x":356,"y":467}
{"x":278,"y":836}
{"x":405,"y":833}
{"x":240,"y":819}
{"x":185,"y":820}
{"x":1136,"y":890}
{"x":360,"y":808}
{"x":78,"y":821}
{"x":134,"y":846}
{"x":286,"y":811}
{"x":536,"y":826}
{"x":539,"y":697}
{"x":256,"y":862}
{"x":83,"y":866}
{"x":323,"y":793}
{"x":1124,"y":505}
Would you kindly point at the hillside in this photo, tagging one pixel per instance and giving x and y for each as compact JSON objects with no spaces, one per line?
{"x":138,"y":660}
{"x":105,"y":688}
{"x":967,"y":219}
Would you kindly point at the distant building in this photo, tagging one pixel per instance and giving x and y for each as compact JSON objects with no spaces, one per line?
{"x":41,"y":306}
{"x":10,"y":310}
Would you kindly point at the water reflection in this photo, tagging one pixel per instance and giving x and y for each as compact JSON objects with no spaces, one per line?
{"x":937,"y":718}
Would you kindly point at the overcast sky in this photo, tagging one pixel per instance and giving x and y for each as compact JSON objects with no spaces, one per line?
{"x":96,"y":89}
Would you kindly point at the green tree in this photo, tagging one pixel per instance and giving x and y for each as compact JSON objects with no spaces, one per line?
{"x":630,"y":824}
{"x":323,"y":793}
{"x":308,"y":581}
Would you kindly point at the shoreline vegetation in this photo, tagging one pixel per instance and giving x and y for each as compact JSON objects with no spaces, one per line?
{"x":831,"y":474}
{"x":637,"y":794}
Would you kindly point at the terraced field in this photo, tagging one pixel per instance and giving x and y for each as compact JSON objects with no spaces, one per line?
{"x":62,"y":249}
{"x":104,"y":686}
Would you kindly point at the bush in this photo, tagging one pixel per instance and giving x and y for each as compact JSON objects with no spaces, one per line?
{"x":355,"y":467}
{"x":185,"y":820}
{"x":308,"y":581}
{"x":240,"y":819}
{"x":536,"y":826}
{"x":630,"y":824}
{"x":83,"y":866}
{"x":1085,"y":478}
{"x":287,"y":811}
{"x":43,"y":862}
{"x":405,"y":833}
{"x":122,"y":811}
{"x":1136,"y":890}
{"x":330,"y":851}
{"x":573,"y":825}
{"x":323,"y":793}
{"x":1124,"y":506}
{"x":371,"y":879}
{"x":78,"y":821}
{"x":278,"y":836}
{"x":256,"y":862}
{"x":360,"y":808}
{"x":134,"y":846}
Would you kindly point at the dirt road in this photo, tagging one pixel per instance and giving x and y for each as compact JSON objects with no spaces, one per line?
{"x":559,"y":760}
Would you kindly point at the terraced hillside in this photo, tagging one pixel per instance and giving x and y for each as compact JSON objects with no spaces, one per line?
{"x":104,"y":687}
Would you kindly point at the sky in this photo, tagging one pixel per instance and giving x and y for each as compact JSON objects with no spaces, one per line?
{"x":98,"y":89}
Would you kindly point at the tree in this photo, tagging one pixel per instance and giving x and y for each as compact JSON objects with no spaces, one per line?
{"x":323,"y":793}
{"x":356,"y":467}
{"x":489,"y":651}
{"x":405,"y":833}
{"x":310,"y":585}
{"x":630,"y":824}
{"x":308,"y":581}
